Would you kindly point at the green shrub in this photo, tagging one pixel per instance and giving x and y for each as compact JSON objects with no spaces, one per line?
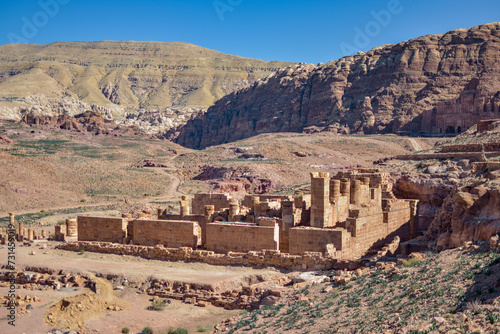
{"x":147,"y":330}
{"x":203,"y":329}
{"x":411,"y":262}
{"x":178,"y":331}
{"x":158,"y":305}
{"x":125,"y":330}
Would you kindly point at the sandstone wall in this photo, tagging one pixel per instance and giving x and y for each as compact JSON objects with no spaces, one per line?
{"x":226,"y":237}
{"x":102,"y":229}
{"x":493,"y":146}
{"x":451,"y":155}
{"x":167,"y":233}
{"x":397,"y":219}
{"x":219,"y":201}
{"x":367,"y":227}
{"x":311,"y":239}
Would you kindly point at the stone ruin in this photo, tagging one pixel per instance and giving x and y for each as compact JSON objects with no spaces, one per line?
{"x":342,"y":217}
{"x":21,"y":233}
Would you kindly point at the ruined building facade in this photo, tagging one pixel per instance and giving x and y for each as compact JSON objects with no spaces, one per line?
{"x":341,"y":217}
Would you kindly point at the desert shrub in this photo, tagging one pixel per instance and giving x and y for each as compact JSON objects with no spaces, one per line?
{"x":147,"y":330}
{"x":411,"y":262}
{"x":158,"y":305}
{"x":203,"y":329}
{"x":178,"y":331}
{"x":473,"y":306}
{"x":125,"y":330}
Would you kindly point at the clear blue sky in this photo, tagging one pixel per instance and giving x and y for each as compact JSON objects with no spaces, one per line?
{"x":290,"y":30}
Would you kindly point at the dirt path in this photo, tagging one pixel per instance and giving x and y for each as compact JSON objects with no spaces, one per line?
{"x":414,"y":144}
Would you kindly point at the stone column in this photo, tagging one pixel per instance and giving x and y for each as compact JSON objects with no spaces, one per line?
{"x":234,"y":210}
{"x":185,"y":204}
{"x":320,"y":200}
{"x":334,"y":190}
{"x":356,"y":192}
{"x":71,"y":228}
{"x":20,"y":232}
{"x":345,"y":189}
{"x":44,"y":234}
{"x":12,"y":218}
{"x":209,"y":215}
{"x":25,"y":233}
{"x":30,"y":234}
{"x":256,"y":206}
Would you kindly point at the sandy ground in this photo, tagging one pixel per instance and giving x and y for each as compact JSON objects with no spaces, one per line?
{"x":136,"y":316}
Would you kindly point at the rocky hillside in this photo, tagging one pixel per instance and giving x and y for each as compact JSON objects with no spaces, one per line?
{"x":380,"y":91}
{"x":120,"y":77}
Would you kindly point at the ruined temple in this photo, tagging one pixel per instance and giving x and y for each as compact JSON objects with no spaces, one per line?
{"x":343,"y":216}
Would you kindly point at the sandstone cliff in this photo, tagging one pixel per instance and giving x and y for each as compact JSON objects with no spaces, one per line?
{"x":380,"y":91}
{"x":120,"y":77}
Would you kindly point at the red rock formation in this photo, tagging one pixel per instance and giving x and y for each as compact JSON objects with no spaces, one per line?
{"x":89,"y":121}
{"x":467,"y":216}
{"x":383,"y":90}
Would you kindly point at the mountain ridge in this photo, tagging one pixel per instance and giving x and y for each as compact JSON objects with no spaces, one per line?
{"x":384,"y":90}
{"x":119,"y":77}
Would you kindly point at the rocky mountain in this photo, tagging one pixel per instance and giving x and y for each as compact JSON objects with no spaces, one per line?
{"x":381,"y":91}
{"x":118,"y":78}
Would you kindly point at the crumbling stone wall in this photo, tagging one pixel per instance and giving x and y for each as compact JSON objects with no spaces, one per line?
{"x":102,"y":229}
{"x":219,"y":201}
{"x":166,"y":232}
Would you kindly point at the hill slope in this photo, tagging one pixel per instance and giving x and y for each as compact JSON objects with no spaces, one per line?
{"x":117,"y":77}
{"x":380,"y":91}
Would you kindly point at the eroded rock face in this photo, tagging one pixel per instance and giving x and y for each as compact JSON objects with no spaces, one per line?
{"x":467,"y":216}
{"x":383,"y":90}
{"x":88,"y":121}
{"x":240,"y":179}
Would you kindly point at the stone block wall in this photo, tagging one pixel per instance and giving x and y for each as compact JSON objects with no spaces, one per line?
{"x":367,"y":227}
{"x":219,"y":201}
{"x":492,"y":146}
{"x":167,"y":232}
{"x":398,"y":218}
{"x":311,"y":239}
{"x":59,"y":232}
{"x":241,"y":237}
{"x":102,"y":229}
